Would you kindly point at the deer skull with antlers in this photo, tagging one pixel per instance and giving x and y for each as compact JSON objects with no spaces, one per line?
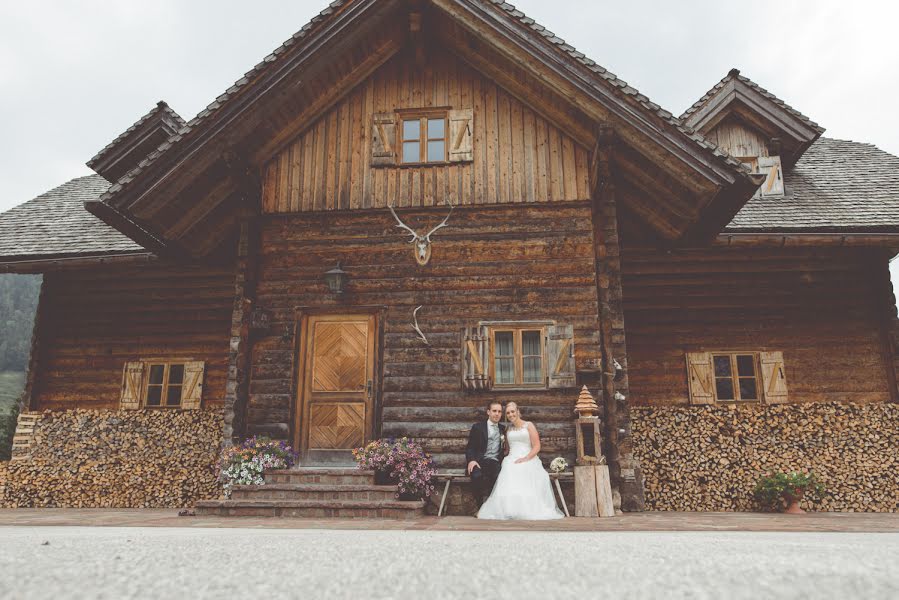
{"x":422,"y":243}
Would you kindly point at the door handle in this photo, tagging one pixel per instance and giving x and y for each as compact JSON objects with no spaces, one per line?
{"x":368,"y":388}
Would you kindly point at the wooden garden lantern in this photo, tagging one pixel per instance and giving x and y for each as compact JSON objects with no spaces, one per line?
{"x":589,"y":450}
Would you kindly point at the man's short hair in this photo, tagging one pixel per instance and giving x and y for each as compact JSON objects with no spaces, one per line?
{"x":492,"y":402}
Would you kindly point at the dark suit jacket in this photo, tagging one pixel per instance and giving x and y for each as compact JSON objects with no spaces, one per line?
{"x":477,"y":442}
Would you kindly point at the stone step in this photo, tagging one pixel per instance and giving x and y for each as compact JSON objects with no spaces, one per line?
{"x":315,"y":509}
{"x":342,"y":476}
{"x":313,"y":491}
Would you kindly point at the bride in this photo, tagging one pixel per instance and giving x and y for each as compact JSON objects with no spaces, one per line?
{"x":522,"y":489}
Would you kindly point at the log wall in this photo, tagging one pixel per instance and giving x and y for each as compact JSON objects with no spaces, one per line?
{"x":94,"y":321}
{"x":824,"y":309}
{"x":518,"y":155}
{"x":491,"y":263}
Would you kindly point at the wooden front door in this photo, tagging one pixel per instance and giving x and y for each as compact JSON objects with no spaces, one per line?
{"x":336,"y":386}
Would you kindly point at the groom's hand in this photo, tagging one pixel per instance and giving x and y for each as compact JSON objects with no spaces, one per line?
{"x":472,"y":465}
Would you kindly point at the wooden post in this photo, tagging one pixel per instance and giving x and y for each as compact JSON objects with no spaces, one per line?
{"x":26,"y":400}
{"x":623,"y":465}
{"x":593,"y":491}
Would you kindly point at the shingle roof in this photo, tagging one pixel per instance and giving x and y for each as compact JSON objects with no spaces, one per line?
{"x":837,"y":185}
{"x":735,"y":74}
{"x":56,"y":223}
{"x":621,"y":87}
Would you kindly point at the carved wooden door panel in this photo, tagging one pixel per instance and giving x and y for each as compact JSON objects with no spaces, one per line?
{"x":337,"y":386}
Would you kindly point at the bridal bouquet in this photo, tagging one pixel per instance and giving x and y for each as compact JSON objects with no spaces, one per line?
{"x":558,"y":465}
{"x":245,"y":464}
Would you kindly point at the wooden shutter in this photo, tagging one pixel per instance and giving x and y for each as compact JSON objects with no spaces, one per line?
{"x":699,"y":377}
{"x":560,"y":356}
{"x":383,"y":139}
{"x":774,"y":380}
{"x":770,"y":166}
{"x":460,"y":129}
{"x":192,"y":390}
{"x":132,"y":385}
{"x":475,"y":358}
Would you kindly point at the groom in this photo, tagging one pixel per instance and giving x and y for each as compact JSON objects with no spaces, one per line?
{"x":485,"y":451}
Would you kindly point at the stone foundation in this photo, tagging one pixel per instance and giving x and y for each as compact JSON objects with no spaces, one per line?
{"x":709,"y":458}
{"x":122,"y":459}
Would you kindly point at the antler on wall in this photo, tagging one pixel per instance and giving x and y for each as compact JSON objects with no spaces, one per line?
{"x":415,"y":325}
{"x":422,"y":243}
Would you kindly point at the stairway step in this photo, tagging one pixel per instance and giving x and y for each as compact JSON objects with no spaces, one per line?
{"x":302,"y":475}
{"x":343,"y":509}
{"x":313,"y":491}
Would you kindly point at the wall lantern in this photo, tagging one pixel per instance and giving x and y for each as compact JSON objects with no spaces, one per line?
{"x":589,"y":451}
{"x":336,"y":279}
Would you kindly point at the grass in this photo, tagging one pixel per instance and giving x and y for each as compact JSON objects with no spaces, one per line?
{"x":11,"y":384}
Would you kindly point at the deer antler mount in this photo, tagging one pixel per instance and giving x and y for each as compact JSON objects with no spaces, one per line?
{"x":421,"y":248}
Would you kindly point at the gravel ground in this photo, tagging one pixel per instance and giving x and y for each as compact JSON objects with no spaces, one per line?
{"x":81,"y":562}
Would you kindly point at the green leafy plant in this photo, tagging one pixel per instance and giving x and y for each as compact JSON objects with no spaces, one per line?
{"x":776,"y":490}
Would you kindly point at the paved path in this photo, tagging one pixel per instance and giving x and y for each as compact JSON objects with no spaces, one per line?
{"x":649,"y":521}
{"x":122,"y":562}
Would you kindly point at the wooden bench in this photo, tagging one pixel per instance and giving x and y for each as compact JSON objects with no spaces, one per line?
{"x":459,"y":475}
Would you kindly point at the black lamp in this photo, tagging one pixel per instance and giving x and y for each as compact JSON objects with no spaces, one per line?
{"x":336,"y":279}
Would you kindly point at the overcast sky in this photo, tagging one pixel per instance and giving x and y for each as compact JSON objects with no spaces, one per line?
{"x":73,"y":75}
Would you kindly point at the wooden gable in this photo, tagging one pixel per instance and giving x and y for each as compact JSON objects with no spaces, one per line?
{"x":190,"y":194}
{"x":517,"y":155}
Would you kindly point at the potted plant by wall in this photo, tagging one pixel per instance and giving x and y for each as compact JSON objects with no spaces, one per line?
{"x":784,"y":491}
{"x":245,"y":464}
{"x":401,"y":462}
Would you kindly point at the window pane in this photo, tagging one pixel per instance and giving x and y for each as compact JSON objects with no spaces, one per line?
{"x":747,"y":389}
{"x":725,"y":389}
{"x":435,"y":151}
{"x":412,"y":130}
{"x":503,"y":343}
{"x":745,"y":365}
{"x":176,"y":374}
{"x":505,"y":370}
{"x":530,"y":343}
{"x":532,"y":369}
{"x":411,"y":152}
{"x":156,"y":373}
{"x":154,"y":395}
{"x":722,"y":366}
{"x":173,"y":397}
{"x":435,"y":129}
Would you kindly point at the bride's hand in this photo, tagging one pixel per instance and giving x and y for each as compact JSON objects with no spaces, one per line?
{"x":522,"y":459}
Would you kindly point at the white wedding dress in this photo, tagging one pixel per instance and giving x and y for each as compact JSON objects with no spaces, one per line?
{"x":522,"y":490}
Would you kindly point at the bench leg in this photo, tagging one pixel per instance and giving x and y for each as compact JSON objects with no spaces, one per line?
{"x":443,"y":498}
{"x":562,"y":498}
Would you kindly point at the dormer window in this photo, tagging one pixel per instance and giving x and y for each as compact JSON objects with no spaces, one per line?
{"x":771,"y":167}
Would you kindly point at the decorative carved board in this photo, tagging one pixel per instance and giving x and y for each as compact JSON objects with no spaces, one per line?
{"x":336,"y":385}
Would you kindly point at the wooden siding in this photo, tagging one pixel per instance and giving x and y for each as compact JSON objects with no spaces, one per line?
{"x":491,"y":263}
{"x":821,"y":308}
{"x":94,"y":321}
{"x":518,"y":155}
{"x":738,"y":139}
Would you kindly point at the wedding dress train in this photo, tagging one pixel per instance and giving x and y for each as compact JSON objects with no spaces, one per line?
{"x":522,"y":490}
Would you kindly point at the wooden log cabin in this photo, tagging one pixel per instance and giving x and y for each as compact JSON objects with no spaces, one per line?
{"x":256,"y":260}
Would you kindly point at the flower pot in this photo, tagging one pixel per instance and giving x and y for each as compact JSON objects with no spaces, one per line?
{"x":407,"y":496}
{"x":384,"y":477}
{"x":791,"y":502}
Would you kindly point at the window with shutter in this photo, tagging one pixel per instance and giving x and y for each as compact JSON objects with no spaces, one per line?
{"x":192,"y":389}
{"x":159,"y":384}
{"x":729,"y":376}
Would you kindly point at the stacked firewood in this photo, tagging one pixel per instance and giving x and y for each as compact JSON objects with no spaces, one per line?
{"x":708,"y":458}
{"x":126,"y":459}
